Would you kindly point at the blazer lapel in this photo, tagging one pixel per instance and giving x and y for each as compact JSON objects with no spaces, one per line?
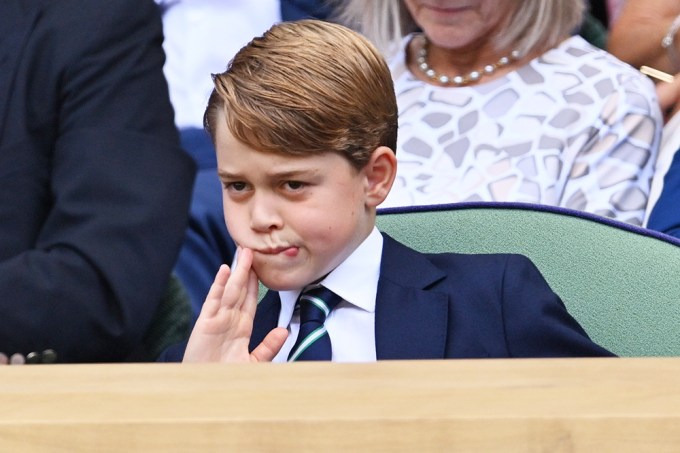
{"x":411,"y":320}
{"x":266,"y":318}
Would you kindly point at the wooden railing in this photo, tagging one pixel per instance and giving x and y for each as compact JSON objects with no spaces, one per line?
{"x":552,"y":405}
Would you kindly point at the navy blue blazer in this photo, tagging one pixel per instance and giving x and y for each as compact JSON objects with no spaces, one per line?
{"x":437,"y":306}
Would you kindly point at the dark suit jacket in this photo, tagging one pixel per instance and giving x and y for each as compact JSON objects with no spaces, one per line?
{"x":449,"y":305}
{"x":94,"y":188}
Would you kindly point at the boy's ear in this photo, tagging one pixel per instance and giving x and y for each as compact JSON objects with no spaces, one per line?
{"x":380,"y":172}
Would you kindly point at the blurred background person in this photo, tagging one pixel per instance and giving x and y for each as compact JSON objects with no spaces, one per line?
{"x":664,"y":207}
{"x":94,"y":186}
{"x":665,"y":213}
{"x":500,"y":101}
{"x":645,"y":33}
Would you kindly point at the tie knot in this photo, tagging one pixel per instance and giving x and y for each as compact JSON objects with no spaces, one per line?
{"x":316,"y":303}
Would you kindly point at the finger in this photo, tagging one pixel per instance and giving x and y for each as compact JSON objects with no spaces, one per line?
{"x":237,"y":286}
{"x":270,"y":346}
{"x":214,"y":297}
{"x":250,"y":303}
{"x":668,"y":94}
{"x":221,"y":279}
{"x":673,"y":111}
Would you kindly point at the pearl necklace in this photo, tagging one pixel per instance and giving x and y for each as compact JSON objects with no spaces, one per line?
{"x":461,"y":80}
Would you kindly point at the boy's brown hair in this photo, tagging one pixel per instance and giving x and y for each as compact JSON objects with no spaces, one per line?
{"x":307,"y":87}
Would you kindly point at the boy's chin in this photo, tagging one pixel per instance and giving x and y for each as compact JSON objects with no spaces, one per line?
{"x":283,"y":282}
{"x":276,"y":282}
{"x":276,"y":285}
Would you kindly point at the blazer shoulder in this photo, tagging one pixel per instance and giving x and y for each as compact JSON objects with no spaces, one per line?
{"x":405,"y":266}
{"x":395,"y":249}
{"x":475,"y":262}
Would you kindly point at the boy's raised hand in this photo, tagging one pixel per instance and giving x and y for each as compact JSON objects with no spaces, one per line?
{"x":225,"y":324}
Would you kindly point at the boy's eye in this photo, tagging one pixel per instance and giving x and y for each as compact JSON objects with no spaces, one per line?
{"x":295,"y":185}
{"x":235,"y":186}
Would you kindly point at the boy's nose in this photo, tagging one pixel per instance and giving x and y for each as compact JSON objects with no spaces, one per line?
{"x":264,"y":215}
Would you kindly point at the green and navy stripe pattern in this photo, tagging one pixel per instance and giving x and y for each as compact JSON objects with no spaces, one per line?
{"x":313,"y":342}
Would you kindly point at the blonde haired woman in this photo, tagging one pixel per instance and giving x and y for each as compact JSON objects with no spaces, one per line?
{"x":499,"y":101}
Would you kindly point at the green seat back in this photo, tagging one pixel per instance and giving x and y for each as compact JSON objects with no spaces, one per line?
{"x":622,"y":283}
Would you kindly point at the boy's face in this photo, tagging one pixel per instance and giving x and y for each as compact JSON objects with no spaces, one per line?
{"x":301,"y":216}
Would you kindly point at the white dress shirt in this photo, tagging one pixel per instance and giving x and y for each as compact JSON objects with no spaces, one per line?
{"x":351,"y":325}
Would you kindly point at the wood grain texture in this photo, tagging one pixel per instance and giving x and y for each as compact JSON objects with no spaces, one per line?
{"x":458,"y":405}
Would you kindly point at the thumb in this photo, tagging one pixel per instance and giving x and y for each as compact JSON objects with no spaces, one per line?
{"x":270,"y":346}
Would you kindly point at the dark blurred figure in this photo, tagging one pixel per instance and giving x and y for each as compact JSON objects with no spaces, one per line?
{"x":648,"y":33}
{"x":94,"y":188}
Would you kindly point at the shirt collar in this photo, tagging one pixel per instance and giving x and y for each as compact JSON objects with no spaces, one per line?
{"x":355,"y":279}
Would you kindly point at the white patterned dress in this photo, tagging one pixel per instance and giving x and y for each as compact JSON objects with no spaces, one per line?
{"x":574,"y":128}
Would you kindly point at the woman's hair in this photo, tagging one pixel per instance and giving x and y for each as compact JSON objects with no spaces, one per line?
{"x":534,"y":25}
{"x":307,"y":87}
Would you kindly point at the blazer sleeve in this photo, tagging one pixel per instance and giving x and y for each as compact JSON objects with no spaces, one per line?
{"x":114,"y":183}
{"x":536,"y":322}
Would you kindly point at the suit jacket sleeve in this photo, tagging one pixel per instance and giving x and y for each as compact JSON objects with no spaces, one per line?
{"x":536,"y":322}
{"x":95,"y":186}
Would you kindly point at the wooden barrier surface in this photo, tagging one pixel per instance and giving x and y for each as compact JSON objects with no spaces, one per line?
{"x":552,"y":405}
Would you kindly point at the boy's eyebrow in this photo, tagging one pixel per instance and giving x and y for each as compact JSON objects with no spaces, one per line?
{"x":287,"y":174}
{"x":223,"y":174}
{"x":283,"y":174}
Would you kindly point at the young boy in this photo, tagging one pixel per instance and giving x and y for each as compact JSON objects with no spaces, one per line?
{"x":304,"y":121}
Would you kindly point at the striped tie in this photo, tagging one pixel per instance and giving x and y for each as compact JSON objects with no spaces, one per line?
{"x":313,"y":342}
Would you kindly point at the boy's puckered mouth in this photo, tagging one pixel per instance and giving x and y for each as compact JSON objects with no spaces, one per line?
{"x":288,"y":250}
